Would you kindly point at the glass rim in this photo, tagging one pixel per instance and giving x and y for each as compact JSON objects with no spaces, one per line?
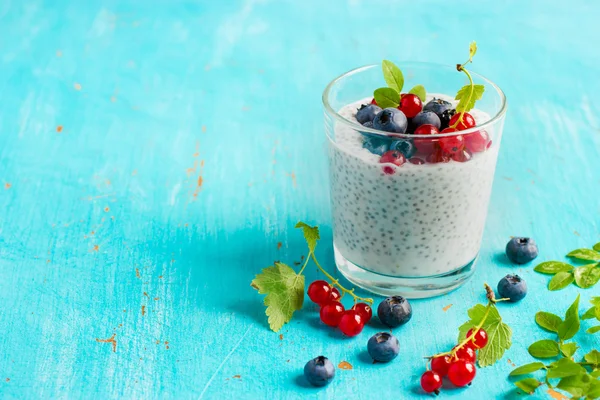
{"x":358,"y":127}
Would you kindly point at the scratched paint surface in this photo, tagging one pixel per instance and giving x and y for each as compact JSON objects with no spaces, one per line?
{"x":153,"y":157}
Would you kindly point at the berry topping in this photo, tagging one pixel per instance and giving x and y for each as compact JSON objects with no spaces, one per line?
{"x":410,"y":105}
{"x":331,"y":313}
{"x":521,"y":250}
{"x":383,"y":347}
{"x":426,"y":146}
{"x":446,"y":117}
{"x":335,"y":294}
{"x":426,"y":118}
{"x":467,"y":121}
{"x":431,"y":382}
{"x":319,"y":292}
{"x":394,"y":311}
{"x":477,"y":142}
{"x":406,"y":147}
{"x":441,"y":364}
{"x":390,"y":120}
{"x":392,"y":157}
{"x":462,"y":155}
{"x":461,"y":372}
{"x":467,"y":353}
{"x":376,"y":145}
{"x":452,"y":144}
{"x":480,"y":339}
{"x":373,"y":102}
{"x":438,"y":156}
{"x":416,"y":161}
{"x":319,"y":371}
{"x":351,"y":323}
{"x":364,"y":310}
{"x":438,"y":106}
{"x":512,"y":287}
{"x":367,"y":112}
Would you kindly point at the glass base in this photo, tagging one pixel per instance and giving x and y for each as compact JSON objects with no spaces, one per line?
{"x":409,"y":287}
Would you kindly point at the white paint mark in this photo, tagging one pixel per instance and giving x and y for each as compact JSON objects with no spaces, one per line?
{"x":589,"y":115}
{"x":223,"y":362}
{"x":174,"y":193}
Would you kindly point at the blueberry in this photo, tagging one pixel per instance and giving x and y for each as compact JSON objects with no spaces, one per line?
{"x":446,"y":117}
{"x":406,"y":147}
{"x":376,"y":145}
{"x":319,"y":371}
{"x":394,"y":311}
{"x":521,"y":250}
{"x":426,"y":117}
{"x":383,"y":347}
{"x":368,"y":124}
{"x":391,"y":120}
{"x":367,"y":112}
{"x":438,"y":106}
{"x":512,"y":287}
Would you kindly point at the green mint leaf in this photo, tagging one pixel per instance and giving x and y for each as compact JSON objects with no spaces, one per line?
{"x":387,"y":97}
{"x":570,"y":326}
{"x":548,"y":321}
{"x":593,"y":357}
{"x":596,"y":246}
{"x":393,"y":76}
{"x":499,"y":334}
{"x":593,"y":329}
{"x":528,"y":385}
{"x":560,"y":281}
{"x":576,"y":385}
{"x":467,"y":96}
{"x":568,"y":349}
{"x":311,"y":235}
{"x":544,"y":349}
{"x":563,"y":368}
{"x":472,"y":49}
{"x":585,"y":254}
{"x":419,"y":90}
{"x":595,"y":301}
{"x":589,"y":314}
{"x":527,"y":368}
{"x":587,"y":276}
{"x":285,"y":293}
{"x":593,"y":391}
{"x":553,"y":267}
{"x":595,"y":373}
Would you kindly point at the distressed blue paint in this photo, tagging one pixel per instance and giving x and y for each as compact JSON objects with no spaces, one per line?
{"x":251,"y":73}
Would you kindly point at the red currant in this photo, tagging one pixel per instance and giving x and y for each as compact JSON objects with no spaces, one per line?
{"x":461,"y":372}
{"x":351,"y":323}
{"x":452,"y":144}
{"x":477,"y":141}
{"x":335,"y":294}
{"x":480,"y":339}
{"x":373,"y":102}
{"x":467,"y":353}
{"x":441,"y":364}
{"x":364,"y":310}
{"x":394,"y":157}
{"x":437,"y":156}
{"x":426,"y":146}
{"x":319,"y":292}
{"x":462,"y":156}
{"x":410,"y":105}
{"x":467,"y":121}
{"x":416,"y":161}
{"x":431,"y":381}
{"x":331,"y":313}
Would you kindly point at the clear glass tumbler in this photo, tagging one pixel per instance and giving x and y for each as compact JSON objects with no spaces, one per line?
{"x":413,"y":229}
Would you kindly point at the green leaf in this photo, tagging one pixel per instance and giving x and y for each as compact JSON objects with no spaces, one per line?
{"x":527,"y":368}
{"x":595,"y":300}
{"x":596,"y":246}
{"x":593,"y":391}
{"x":548,"y":321}
{"x":587,"y":275}
{"x":386,"y":97}
{"x":568,"y":349}
{"x":467,"y":96}
{"x":544,"y":349}
{"x":585,"y":254}
{"x":311,"y":235}
{"x":393,"y":76}
{"x":593,"y":357}
{"x":499,"y":334}
{"x":560,"y":281}
{"x":576,"y":385}
{"x":419,"y":90}
{"x":595,"y":373}
{"x":590,"y":313}
{"x":553,"y":267}
{"x":472,"y":49}
{"x":563,"y":368}
{"x":593,"y":329}
{"x":285,"y":293}
{"x":570,"y":326}
{"x":528,"y":385}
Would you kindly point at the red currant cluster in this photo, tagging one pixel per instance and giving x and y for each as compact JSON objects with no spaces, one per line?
{"x":351,"y":322}
{"x":458,"y":365}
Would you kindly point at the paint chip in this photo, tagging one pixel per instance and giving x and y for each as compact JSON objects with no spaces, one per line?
{"x":203,"y":128}
{"x":280,"y":336}
{"x":111,"y":340}
{"x":58,"y":53}
{"x":447,"y":307}
{"x":7,"y":185}
{"x":96,"y":248}
{"x":77,"y":86}
{"x":279,"y":244}
{"x":344,"y":365}
{"x":106,"y":209}
{"x":237,"y":377}
{"x":143,"y":310}
{"x":59,"y":128}
{"x":576,"y":233}
{"x":555,"y":395}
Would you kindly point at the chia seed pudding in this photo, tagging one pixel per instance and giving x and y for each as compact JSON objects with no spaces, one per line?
{"x":413,"y":220}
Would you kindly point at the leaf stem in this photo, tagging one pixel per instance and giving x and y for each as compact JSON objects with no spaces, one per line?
{"x":461,"y":68}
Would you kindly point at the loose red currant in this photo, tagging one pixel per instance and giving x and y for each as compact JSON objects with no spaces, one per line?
{"x":331,"y":313}
{"x":319,"y":292}
{"x":335,"y":294}
{"x":431,"y":381}
{"x":364,"y":310}
{"x":426,"y":146}
{"x":467,"y":121}
{"x":480,"y":339}
{"x":461,"y":372}
{"x":477,"y":141}
{"x":441,"y":364}
{"x":394,"y":157}
{"x":351,"y":323}
{"x":467,"y":353}
{"x":410,"y":105}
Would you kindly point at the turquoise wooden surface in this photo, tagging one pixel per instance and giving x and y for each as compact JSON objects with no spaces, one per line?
{"x":153,"y":155}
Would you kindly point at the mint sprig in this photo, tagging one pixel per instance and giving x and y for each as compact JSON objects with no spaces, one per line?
{"x":593,"y":313}
{"x":584,"y":276}
{"x":390,"y":96}
{"x":470,"y":93}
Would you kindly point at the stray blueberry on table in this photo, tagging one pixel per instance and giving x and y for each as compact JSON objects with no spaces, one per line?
{"x":512,"y":287}
{"x":391,"y":120}
{"x":319,"y":371}
{"x":394,"y":311}
{"x":367,"y":112}
{"x":383,"y":347}
{"x":521,"y":250}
